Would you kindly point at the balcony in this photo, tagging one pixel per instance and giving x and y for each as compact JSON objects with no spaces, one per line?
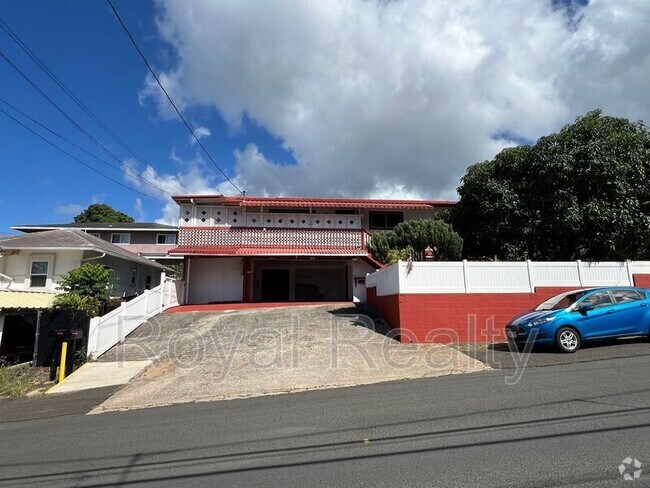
{"x":269,"y":241}
{"x":206,"y":216}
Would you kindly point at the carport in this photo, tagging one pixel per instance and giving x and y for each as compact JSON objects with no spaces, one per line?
{"x":309,"y":279}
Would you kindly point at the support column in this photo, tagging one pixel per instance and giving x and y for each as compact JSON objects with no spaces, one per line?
{"x":246,"y":269}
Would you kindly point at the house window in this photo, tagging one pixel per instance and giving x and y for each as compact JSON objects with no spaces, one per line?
{"x":166,"y":239}
{"x":147,"y":282}
{"x":124,"y":238}
{"x":38,"y":274}
{"x":385,"y":220}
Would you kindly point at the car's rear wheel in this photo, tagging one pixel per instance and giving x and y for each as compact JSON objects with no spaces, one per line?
{"x":567,"y":339}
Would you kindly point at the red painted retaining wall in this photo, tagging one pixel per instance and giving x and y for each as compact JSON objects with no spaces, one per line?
{"x":460,"y":317}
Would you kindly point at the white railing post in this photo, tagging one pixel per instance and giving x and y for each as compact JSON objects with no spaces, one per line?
{"x":120,"y":322}
{"x":94,"y":329}
{"x":579,"y":264}
{"x":529,"y":264}
{"x":630,"y":274}
{"x":466,"y":275}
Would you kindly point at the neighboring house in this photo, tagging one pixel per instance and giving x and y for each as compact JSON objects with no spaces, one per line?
{"x":149,"y":240}
{"x":36,"y":261}
{"x":282,"y":248}
{"x":31,"y":266}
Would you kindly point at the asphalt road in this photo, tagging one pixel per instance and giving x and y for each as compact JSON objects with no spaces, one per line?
{"x":565,"y":425}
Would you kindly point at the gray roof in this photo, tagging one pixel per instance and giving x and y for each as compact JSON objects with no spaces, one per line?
{"x":71,"y":239}
{"x":98,"y":226}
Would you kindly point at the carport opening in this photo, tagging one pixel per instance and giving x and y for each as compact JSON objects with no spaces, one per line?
{"x":301,"y":282}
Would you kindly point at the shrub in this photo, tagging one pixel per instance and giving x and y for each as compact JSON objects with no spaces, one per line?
{"x":89,"y":280}
{"x":89,"y":305}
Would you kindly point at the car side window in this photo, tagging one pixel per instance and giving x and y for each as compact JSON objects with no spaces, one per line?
{"x":625,"y":296}
{"x":598,"y":299}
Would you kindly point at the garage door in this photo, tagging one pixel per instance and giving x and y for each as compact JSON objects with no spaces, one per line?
{"x":215,"y":280}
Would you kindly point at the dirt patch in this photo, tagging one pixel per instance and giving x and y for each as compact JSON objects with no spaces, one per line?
{"x":23,"y":380}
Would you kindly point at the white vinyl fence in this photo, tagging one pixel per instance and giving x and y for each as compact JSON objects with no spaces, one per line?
{"x":112,"y":328}
{"x":500,"y":277}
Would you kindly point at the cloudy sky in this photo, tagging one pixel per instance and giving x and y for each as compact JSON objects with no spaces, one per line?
{"x":331,"y":98}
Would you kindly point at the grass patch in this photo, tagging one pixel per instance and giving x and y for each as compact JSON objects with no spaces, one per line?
{"x":18,"y":380}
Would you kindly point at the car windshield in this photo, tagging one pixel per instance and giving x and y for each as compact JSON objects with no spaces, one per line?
{"x":560,"y":302}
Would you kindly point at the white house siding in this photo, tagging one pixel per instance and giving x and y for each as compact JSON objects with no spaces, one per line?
{"x":359,"y":270}
{"x":215,"y":280}
{"x":17,"y":265}
{"x":124,"y":273}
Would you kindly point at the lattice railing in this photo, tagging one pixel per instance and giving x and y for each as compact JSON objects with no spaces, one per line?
{"x":252,"y":237}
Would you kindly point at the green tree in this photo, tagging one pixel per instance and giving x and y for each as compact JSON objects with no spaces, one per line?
{"x":582,"y":193}
{"x":100,"y":212}
{"x":85,"y":288}
{"x":89,"y":280}
{"x":415,"y":236}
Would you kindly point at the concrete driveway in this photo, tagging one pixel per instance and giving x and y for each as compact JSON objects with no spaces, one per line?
{"x":201,"y":356}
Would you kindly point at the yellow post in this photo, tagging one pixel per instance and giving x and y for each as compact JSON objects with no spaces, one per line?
{"x":64,"y":352}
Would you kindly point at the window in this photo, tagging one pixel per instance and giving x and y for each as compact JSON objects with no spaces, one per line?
{"x":560,"y":302}
{"x":121,"y":238}
{"x":166,"y":239}
{"x":598,"y":299}
{"x":147,"y":282}
{"x":385,"y":220}
{"x":624,"y":296}
{"x":38,"y":274}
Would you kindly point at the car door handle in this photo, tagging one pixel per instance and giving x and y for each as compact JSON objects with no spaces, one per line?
{"x":610,"y":311}
{"x":643,"y":305}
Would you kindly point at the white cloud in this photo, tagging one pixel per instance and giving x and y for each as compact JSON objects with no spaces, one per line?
{"x":200,"y":132}
{"x":397,"y":98}
{"x":69,"y":209}
{"x":192,"y":178}
{"x":141,"y":215}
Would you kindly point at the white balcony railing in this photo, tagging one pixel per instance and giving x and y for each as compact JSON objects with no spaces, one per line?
{"x":272,"y":237}
{"x":211,"y":216}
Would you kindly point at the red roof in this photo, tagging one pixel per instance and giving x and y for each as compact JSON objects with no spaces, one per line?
{"x":275,"y":251}
{"x":266,"y":251}
{"x":314,"y":202}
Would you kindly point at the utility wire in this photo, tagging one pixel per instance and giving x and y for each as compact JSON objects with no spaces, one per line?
{"x":90,"y":167}
{"x":41,"y":64}
{"x":180,"y":115}
{"x":53,"y":132}
{"x":69,"y":118}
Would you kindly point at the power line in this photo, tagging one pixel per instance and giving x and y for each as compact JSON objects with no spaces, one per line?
{"x":69,"y":118}
{"x":53,"y":132}
{"x":41,"y":64}
{"x":180,"y":115}
{"x":90,"y":167}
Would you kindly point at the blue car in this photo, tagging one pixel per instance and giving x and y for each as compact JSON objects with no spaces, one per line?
{"x":568,"y":319}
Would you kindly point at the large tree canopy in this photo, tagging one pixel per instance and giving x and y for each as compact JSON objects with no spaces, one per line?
{"x":414,"y":237}
{"x":100,"y":212}
{"x":583,"y":193}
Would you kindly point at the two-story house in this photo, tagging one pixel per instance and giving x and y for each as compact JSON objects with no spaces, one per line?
{"x":277,"y":249}
{"x":149,"y":240}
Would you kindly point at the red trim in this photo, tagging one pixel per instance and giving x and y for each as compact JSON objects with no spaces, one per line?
{"x":305,"y":202}
{"x":246,"y":268}
{"x":256,"y":250}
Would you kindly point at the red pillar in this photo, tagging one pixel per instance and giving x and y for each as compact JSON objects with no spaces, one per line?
{"x":246,"y":267}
